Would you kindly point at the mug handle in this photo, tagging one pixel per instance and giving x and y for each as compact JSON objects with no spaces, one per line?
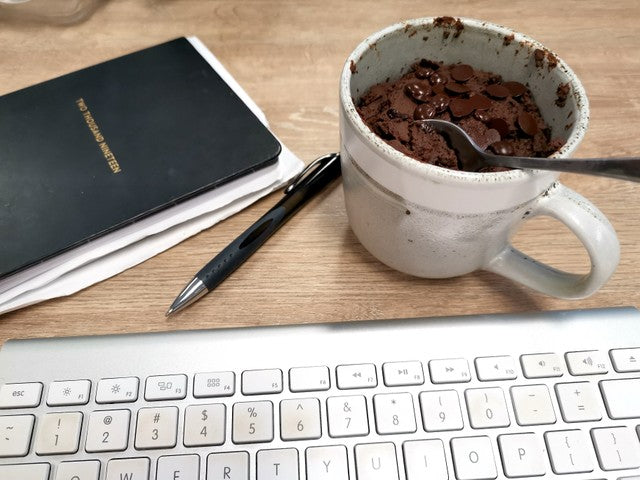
{"x":592,"y":229}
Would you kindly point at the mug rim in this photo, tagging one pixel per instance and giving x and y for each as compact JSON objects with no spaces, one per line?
{"x":443,"y":174}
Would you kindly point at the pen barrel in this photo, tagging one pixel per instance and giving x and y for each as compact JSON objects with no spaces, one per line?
{"x":238,"y":251}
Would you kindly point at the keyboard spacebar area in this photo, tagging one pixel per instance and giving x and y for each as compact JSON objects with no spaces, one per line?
{"x":621,"y":397}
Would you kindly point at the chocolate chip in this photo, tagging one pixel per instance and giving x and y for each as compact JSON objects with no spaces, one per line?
{"x":460,"y":107}
{"x":499,"y":124}
{"x":515,"y":88}
{"x":462,"y":72}
{"x":481,"y":115}
{"x":429,"y":64}
{"x":527,"y":124}
{"x":438,"y":88}
{"x":497,"y":91}
{"x":423,"y":72}
{"x":440,"y":102}
{"x":480,"y":102}
{"x":437,"y":78}
{"x":501,"y":148}
{"x":419,"y":91}
{"x":456,"y":88}
{"x":424,"y":112}
{"x":392,"y":113}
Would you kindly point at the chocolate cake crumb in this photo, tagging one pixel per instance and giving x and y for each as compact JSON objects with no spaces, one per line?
{"x":538,"y":56}
{"x":508,"y":39}
{"x":449,"y":23}
{"x":500,"y":116}
{"x":352,"y":67}
{"x":562,"y":93}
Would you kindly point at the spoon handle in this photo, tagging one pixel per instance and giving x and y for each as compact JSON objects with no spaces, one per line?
{"x":624,"y":168}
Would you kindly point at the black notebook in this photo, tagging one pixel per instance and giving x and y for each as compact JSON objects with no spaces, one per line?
{"x":87,"y":153}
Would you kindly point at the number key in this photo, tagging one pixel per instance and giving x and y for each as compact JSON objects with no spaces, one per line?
{"x":157,"y":428}
{"x":441,"y":411}
{"x":108,"y":431}
{"x":252,"y":422}
{"x":204,"y":425}
{"x":394,"y":413}
{"x":347,"y":416}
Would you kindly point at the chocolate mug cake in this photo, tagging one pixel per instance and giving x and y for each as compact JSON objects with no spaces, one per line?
{"x":498,"y":115}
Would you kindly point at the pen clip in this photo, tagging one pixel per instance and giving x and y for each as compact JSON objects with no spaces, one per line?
{"x":305,"y":176}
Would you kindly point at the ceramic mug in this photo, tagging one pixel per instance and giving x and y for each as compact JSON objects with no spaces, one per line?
{"x":433,"y":222}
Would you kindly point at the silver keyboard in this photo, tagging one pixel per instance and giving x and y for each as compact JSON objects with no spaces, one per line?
{"x":553,"y":394}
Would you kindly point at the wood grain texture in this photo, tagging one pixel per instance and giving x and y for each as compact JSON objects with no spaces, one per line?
{"x":288,"y":56}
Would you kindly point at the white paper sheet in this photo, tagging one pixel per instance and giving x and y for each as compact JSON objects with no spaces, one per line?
{"x":131,"y":245}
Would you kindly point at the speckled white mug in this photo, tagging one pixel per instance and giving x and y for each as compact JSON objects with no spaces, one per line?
{"x":433,"y":222}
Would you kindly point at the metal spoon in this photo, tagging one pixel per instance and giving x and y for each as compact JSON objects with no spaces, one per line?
{"x":473,"y":158}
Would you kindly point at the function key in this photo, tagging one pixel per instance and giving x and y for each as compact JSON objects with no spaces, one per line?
{"x":309,"y":379}
{"x":117,"y":390}
{"x":626,"y":359}
{"x":165,"y":387}
{"x":402,"y":373}
{"x":451,"y":370}
{"x":356,"y":376}
{"x":496,"y":368}
{"x":214,"y":384}
{"x":255,"y":382}
{"x":542,"y":365}
{"x":591,"y":362}
{"x":70,"y":392}
{"x":20,"y":395}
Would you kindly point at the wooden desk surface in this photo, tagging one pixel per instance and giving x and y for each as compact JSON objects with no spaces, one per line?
{"x":288,"y":56}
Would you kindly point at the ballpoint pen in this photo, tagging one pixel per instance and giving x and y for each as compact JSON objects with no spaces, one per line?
{"x":310,"y":181}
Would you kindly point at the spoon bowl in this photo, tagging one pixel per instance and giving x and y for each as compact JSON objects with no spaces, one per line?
{"x":473,"y":158}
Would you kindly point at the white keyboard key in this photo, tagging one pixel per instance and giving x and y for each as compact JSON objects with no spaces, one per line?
{"x":309,"y":379}
{"x":452,"y":370}
{"x":228,"y":466}
{"x":522,"y":455}
{"x":579,"y":402}
{"x":128,"y":468}
{"x":178,"y":467}
{"x":425,"y":459}
{"x":214,"y":384}
{"x":20,"y":395}
{"x":487,"y":407}
{"x":71,"y":392}
{"x":255,"y":382}
{"x":300,"y":419}
{"x":108,"y":431}
{"x":204,"y":425}
{"x":626,"y":359}
{"x":590,"y":362}
{"x":58,"y":433}
{"x":277,"y":464}
{"x":27,"y":471}
{"x":356,"y":376}
{"x":621,"y":397}
{"x":501,"y":367}
{"x":400,"y":374}
{"x":473,"y":458}
{"x":252,"y":422}
{"x":570,"y":451}
{"x":347,"y":416}
{"x":441,"y":411}
{"x":542,"y":365}
{"x":532,"y":405}
{"x":156,"y":428}
{"x":82,"y":470}
{"x":394,"y":413}
{"x":15,"y":435}
{"x":617,"y":448}
{"x":117,"y":390}
{"x":166,"y":387}
{"x":327,"y":463}
{"x":376,"y":461}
